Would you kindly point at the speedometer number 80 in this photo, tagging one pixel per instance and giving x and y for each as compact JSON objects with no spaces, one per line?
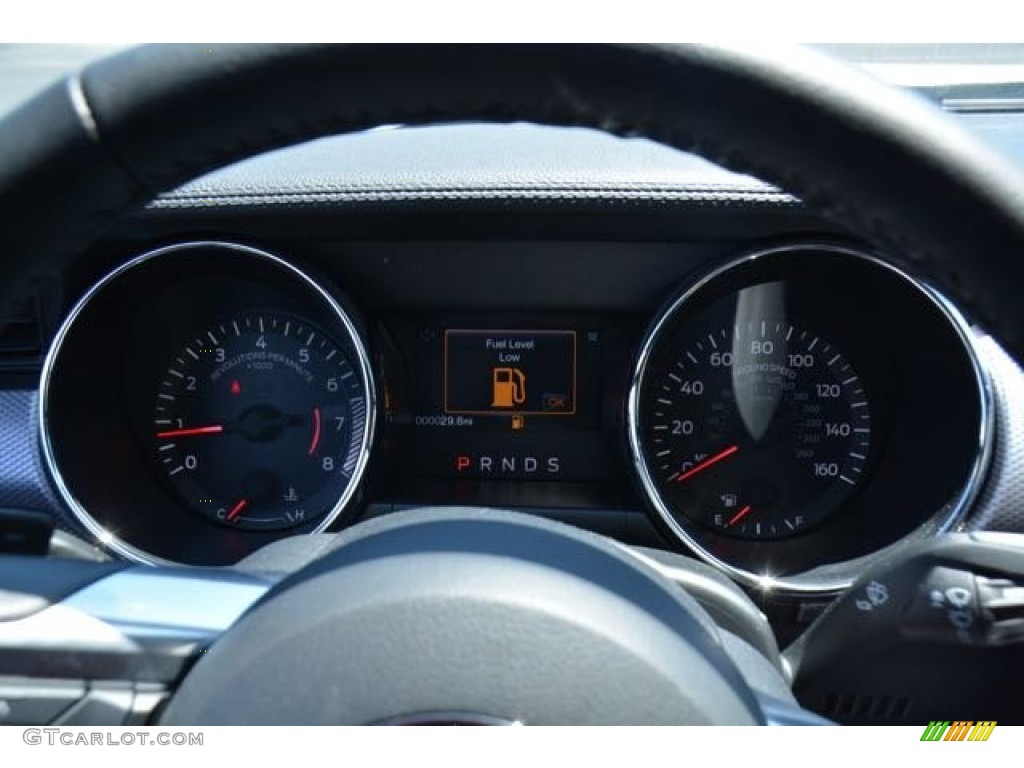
{"x":759,"y":430}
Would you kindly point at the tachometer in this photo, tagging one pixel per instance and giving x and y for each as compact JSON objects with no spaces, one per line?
{"x":257,"y":419}
{"x":205,"y":399}
{"x":759,"y":429}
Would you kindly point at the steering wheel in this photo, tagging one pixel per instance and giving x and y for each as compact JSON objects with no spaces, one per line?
{"x":465,"y":616}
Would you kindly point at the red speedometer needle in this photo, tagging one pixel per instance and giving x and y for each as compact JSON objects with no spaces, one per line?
{"x":237,"y":509}
{"x":739,"y":515}
{"x":211,"y":430}
{"x":707,"y":463}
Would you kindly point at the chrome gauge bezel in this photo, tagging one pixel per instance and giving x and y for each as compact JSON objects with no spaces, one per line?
{"x":354,"y":340}
{"x":685,"y":532}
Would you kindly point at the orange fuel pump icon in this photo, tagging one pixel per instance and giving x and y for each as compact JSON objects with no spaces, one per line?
{"x":508,"y":387}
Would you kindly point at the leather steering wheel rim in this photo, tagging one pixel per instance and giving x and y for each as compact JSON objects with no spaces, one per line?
{"x":885,"y":164}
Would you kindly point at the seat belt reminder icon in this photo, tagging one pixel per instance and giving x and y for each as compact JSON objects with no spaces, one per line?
{"x":508,"y":387}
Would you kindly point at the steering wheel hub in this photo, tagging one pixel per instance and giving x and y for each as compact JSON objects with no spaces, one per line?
{"x":453,"y":611}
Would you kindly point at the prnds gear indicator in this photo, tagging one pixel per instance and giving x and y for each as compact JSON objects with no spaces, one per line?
{"x":495,"y":372}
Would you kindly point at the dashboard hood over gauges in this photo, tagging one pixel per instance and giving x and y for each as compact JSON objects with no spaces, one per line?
{"x":153,"y":118}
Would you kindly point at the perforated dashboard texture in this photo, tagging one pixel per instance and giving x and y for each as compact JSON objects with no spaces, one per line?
{"x":1001,"y":504}
{"x":23,"y":483}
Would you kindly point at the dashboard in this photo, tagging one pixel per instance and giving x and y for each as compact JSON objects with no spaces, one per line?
{"x":766,"y":419}
{"x":697,"y":364}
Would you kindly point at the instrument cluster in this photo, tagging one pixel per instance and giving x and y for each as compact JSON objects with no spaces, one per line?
{"x":783,"y":415}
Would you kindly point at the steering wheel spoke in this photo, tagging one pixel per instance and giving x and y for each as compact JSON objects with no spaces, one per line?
{"x":90,"y":644}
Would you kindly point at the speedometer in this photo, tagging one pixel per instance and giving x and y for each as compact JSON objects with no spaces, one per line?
{"x":791,"y":412}
{"x":759,"y":429}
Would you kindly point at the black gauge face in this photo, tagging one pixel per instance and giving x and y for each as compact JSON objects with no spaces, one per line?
{"x":757,"y":429}
{"x":257,"y":421}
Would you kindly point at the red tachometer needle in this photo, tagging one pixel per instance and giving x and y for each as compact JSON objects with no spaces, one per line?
{"x":707,"y":463}
{"x":739,"y":515}
{"x":211,"y":430}
{"x":237,"y":509}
